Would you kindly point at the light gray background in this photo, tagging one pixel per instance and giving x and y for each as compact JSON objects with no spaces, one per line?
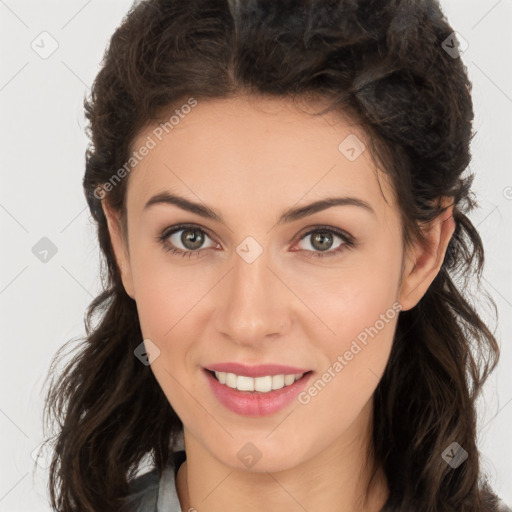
{"x":42,"y":163}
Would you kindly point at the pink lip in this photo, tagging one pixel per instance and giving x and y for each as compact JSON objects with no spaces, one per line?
{"x":254,"y":403}
{"x":255,"y":371}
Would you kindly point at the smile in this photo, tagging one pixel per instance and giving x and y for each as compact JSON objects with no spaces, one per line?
{"x":263,"y":384}
{"x":256,"y":396}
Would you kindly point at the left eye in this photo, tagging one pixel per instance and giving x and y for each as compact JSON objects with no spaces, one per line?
{"x":321,"y":241}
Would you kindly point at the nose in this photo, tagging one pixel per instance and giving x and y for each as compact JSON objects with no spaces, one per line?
{"x":253,"y":303}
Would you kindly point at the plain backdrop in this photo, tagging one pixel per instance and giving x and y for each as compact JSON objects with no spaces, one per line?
{"x":42,"y":145}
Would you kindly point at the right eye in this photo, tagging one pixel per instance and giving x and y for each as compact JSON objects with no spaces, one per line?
{"x":190,"y":237}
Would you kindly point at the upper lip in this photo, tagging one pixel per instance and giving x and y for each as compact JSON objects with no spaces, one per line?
{"x":255,"y":371}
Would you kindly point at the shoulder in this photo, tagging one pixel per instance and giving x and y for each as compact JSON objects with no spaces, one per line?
{"x":153,"y":492}
{"x":143,"y":492}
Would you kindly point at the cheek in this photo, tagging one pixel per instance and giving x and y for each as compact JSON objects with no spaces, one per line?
{"x":352,"y":297}
{"x":360,"y":309}
{"x":165,"y":291}
{"x":352,"y":365}
{"x":168,"y":300}
{"x":166,"y":303}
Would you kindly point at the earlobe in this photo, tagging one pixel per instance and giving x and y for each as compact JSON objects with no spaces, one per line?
{"x":119,"y":247}
{"x":424,"y":260}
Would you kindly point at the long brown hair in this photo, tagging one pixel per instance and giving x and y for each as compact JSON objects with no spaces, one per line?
{"x":387,"y":64}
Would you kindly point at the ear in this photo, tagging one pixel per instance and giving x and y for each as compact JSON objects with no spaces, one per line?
{"x":423,"y":261}
{"x":120,"y":247}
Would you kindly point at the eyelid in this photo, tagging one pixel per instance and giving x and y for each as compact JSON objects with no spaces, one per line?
{"x":324,"y":227}
{"x":347,"y":239}
{"x":182,"y":226}
{"x":171,"y":230}
{"x":304,"y":232}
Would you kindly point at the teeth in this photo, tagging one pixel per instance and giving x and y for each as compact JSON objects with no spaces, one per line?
{"x":277,"y":381}
{"x":289,"y":379}
{"x":245,"y":383}
{"x":261,"y":384}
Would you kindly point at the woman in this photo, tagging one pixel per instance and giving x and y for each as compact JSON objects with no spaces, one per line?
{"x":280,"y":199}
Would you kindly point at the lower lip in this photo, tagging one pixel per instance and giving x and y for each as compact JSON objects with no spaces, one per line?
{"x":253,"y":403}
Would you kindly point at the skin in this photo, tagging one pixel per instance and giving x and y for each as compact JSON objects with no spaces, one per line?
{"x":249,"y":159}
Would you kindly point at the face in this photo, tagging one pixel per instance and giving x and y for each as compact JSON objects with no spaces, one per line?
{"x":315,"y":292}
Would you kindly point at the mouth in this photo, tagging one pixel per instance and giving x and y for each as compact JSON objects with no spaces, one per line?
{"x":256,"y":396}
{"x":257,"y":385}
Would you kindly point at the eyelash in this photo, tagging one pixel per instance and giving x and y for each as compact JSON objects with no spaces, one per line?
{"x":348,"y":241}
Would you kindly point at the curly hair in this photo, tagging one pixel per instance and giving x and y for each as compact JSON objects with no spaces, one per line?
{"x":382,"y":62}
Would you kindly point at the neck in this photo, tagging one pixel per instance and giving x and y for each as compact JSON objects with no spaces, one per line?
{"x":339,"y":479}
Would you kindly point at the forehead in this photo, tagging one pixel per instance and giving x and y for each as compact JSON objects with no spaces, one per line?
{"x":243,"y":150}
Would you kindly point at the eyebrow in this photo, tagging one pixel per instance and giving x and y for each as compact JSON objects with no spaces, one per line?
{"x":290,"y":215}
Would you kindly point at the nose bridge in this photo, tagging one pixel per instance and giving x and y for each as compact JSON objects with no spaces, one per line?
{"x":253,"y":304}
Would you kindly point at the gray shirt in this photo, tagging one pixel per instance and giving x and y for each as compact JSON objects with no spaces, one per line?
{"x":148,"y":493}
